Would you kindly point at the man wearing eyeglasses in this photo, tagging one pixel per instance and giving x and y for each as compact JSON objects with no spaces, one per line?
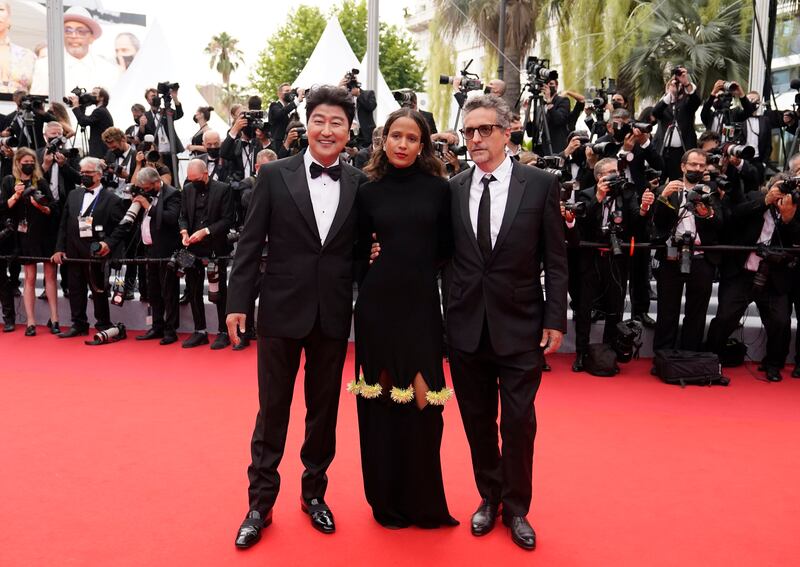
{"x":81,"y":67}
{"x":506,"y":225}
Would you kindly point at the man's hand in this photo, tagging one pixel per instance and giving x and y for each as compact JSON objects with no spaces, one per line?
{"x":104,"y":249}
{"x":73,"y":101}
{"x":198,"y":236}
{"x":235,"y":322}
{"x":551,"y":340}
{"x":787,"y":208}
{"x":602,"y":190}
{"x":185,"y":238}
{"x":174,"y":94}
{"x":237,"y":127}
{"x":717,"y":88}
{"x":452,"y":159}
{"x":672,"y":187}
{"x":142,"y":122}
{"x":568,"y":216}
{"x":573,"y":145}
{"x":47,"y":162}
{"x":58,"y":258}
{"x":61,"y":159}
{"x":140,"y":157}
{"x":774,"y":194}
{"x":291,"y":137}
{"x":375,"y":251}
{"x":648,"y":198}
{"x":142,"y":201}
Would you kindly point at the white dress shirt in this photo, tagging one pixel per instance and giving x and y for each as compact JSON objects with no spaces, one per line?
{"x":88,"y":198}
{"x":767,"y":230}
{"x":498,"y":192}
{"x":147,"y":236}
{"x":753,"y":129}
{"x":324,"y":196}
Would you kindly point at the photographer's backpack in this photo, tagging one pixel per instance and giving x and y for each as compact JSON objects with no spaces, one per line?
{"x":600,"y":360}
{"x":684,"y":367}
{"x":733,"y":353}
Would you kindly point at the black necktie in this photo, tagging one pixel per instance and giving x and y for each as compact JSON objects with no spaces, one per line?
{"x":334,"y":171}
{"x":485,"y":218}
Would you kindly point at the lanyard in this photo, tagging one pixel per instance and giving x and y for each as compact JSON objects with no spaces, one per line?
{"x":89,"y":210}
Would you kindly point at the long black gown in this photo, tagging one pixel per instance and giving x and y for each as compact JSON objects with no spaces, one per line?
{"x":398,"y":331}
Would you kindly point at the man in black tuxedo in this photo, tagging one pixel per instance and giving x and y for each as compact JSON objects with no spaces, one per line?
{"x":239,"y":149}
{"x":675,"y":113}
{"x":158,"y":124}
{"x":506,"y":225}
{"x":90,"y":216}
{"x":206,"y":217}
{"x":280,"y":112}
{"x":14,"y":124}
{"x":305,"y":205}
{"x":557,"y":115}
{"x":99,"y":120}
{"x":366,"y":103}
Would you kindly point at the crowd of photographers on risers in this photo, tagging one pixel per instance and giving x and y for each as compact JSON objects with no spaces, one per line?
{"x":625,"y":178}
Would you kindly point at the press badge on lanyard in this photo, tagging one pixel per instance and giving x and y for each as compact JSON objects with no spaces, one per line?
{"x":22,"y":227}
{"x":85,"y":222}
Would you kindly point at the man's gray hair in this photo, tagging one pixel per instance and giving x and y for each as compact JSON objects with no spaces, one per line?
{"x":92,"y":162}
{"x":491,"y":102}
{"x":52,"y":123}
{"x":148,"y":175}
{"x":620,"y":114}
{"x":601,"y":165}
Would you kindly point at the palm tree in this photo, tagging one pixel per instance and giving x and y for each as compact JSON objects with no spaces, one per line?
{"x":461,"y":16}
{"x":224,"y":53}
{"x":711,"y":47}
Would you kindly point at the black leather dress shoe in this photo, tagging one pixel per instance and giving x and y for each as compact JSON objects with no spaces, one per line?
{"x":321,"y":515}
{"x":774,"y":374}
{"x":169,"y":339}
{"x":645,"y":319}
{"x":30,"y":331}
{"x":244,"y":342}
{"x":195,"y":340}
{"x":250,"y":531}
{"x":73,"y":332}
{"x":546,"y":367}
{"x":9,"y":327}
{"x":521,"y":532}
{"x":221,"y":341}
{"x":150,"y":335}
{"x":484,"y":518}
{"x":577,"y":366}
{"x":796,"y":372}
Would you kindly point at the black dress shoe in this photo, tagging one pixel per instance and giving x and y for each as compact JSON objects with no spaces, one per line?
{"x":55,"y":328}
{"x":546,"y":367}
{"x":195,"y":340}
{"x":250,"y":531}
{"x":796,"y":372}
{"x":150,"y":335}
{"x":30,"y":331}
{"x":645,"y":319}
{"x":321,"y":515}
{"x":221,"y":341}
{"x":577,"y":366}
{"x":484,"y":518}
{"x":244,"y":342}
{"x":9,"y":327}
{"x":169,"y":339}
{"x":65,"y":293}
{"x":521,"y":532}
{"x":774,"y":374}
{"x":73,"y":332}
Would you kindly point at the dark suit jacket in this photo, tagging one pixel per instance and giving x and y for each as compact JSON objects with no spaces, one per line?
{"x":39,"y":120}
{"x":665,"y":218}
{"x":366,"y":103}
{"x":278,"y":116}
{"x":220,"y":215}
{"x":111,"y":161}
{"x":107,"y":213}
{"x":164,"y":223}
{"x":737,"y":114}
{"x":68,"y":175}
{"x":558,"y":123}
{"x":685,"y":110}
{"x":152,"y":125}
{"x":305,"y":279}
{"x":591,"y":225}
{"x":642,"y":157}
{"x":98,"y":120}
{"x":231,"y":151}
{"x":506,"y":290}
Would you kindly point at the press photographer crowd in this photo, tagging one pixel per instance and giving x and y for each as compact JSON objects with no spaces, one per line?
{"x":645,"y":195}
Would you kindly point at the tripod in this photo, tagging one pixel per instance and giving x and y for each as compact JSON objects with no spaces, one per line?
{"x":537,"y":129}
{"x":169,"y":113}
{"x":29,"y":129}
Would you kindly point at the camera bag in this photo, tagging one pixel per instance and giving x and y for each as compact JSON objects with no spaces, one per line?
{"x":733,"y":353}
{"x":601,"y":360}
{"x":688,"y":367}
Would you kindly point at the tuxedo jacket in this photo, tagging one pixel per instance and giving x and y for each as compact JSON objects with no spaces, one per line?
{"x":558,"y":123}
{"x":99,"y":120}
{"x":152,"y":126}
{"x":278,"y":116}
{"x":505,"y":291}
{"x":163,"y":224}
{"x":69,"y":174}
{"x":108,"y":211}
{"x":665,"y":218}
{"x":231,"y":151}
{"x":305,"y":280}
{"x":220,"y":215}
{"x":685,"y":110}
{"x":366,"y":103}
{"x":591,"y":225}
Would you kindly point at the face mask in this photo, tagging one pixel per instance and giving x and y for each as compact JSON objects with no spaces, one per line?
{"x":516,"y":137}
{"x":87,"y":180}
{"x":27,"y":168}
{"x":287,"y":98}
{"x":199,"y":184}
{"x":195,"y":119}
{"x":553,"y":91}
{"x":487,"y":90}
{"x":616,"y":105}
{"x":213,"y":153}
{"x":127,"y":59}
{"x":693,"y":176}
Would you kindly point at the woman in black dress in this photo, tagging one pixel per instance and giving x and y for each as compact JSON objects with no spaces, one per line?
{"x":201,"y":116}
{"x":34,"y":212}
{"x":398,"y":327}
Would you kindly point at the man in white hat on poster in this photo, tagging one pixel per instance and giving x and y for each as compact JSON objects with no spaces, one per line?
{"x":81,"y":67}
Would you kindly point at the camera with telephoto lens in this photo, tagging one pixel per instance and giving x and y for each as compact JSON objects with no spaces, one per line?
{"x":791,"y":187}
{"x":469,"y":81}
{"x":7,"y":230}
{"x":539,"y":71}
{"x":605,"y":149}
{"x":113,"y":334}
{"x":623,"y":129}
{"x":130,"y":192}
{"x":9,"y":141}
{"x":181,"y":261}
{"x":351,"y":79}
{"x":608,"y":87}
{"x":651,"y":174}
{"x":31,"y":191}
{"x":233,"y":235}
{"x":738,"y":150}
{"x":769,"y":259}
{"x":34,"y":103}
{"x":84,"y":98}
{"x":699,"y":195}
{"x":302,"y":137}
{"x":577,"y":208}
{"x":440,"y":146}
{"x":55,"y":145}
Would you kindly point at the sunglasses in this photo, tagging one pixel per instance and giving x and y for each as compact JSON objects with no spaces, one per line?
{"x":82,"y":32}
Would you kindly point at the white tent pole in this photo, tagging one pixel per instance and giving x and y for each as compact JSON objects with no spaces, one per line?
{"x":373,"y":27}
{"x":55,"y":48}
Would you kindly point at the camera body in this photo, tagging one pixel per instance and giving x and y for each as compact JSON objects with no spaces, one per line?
{"x":255,"y":119}
{"x":406,"y":97}
{"x":440,"y":147}
{"x":539,"y":71}
{"x":699,"y":195}
{"x":33,"y":103}
{"x":84,"y":98}
{"x":37,"y":195}
{"x":352,"y":80}
{"x":578,"y":208}
{"x":469,"y":81}
{"x":623,"y":129}
{"x":164,"y":88}
{"x":791,"y":187}
{"x":7,"y":229}
{"x":180,"y":261}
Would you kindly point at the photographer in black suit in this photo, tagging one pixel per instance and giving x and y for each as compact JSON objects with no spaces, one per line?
{"x":280,"y":112}
{"x":557,"y":114}
{"x":675,"y":114}
{"x":239,"y":149}
{"x":158,"y":123}
{"x":135,"y":133}
{"x":206,"y":217}
{"x":305,"y":205}
{"x":160,"y":208}
{"x":99,"y":120}
{"x":29,"y":136}
{"x":88,"y":223}
{"x":366,"y":103}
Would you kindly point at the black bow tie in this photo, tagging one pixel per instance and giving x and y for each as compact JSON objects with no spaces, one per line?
{"x":89,"y":191}
{"x":334,"y":171}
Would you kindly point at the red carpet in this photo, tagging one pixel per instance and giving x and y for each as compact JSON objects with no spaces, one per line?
{"x":135,"y":454}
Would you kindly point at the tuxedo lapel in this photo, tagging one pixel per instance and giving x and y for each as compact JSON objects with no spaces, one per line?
{"x":294,"y":175}
{"x":463,"y":204}
{"x":347,"y":195}
{"x":516,"y":189}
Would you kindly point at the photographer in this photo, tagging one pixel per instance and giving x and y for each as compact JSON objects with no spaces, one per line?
{"x":758,"y":132}
{"x":741,"y":174}
{"x":135,"y":134}
{"x":407,"y":98}
{"x":366,"y":103}
{"x":557,"y":115}
{"x":767,"y":219}
{"x":100,"y":119}
{"x":717,"y":111}
{"x":90,"y":215}
{"x":446,"y":145}
{"x":35,"y":213}
{"x":675,"y":113}
{"x":240,"y":147}
{"x":364,"y":154}
{"x":161,"y":206}
{"x":20,"y":128}
{"x":576,"y":163}
{"x":280,"y":112}
{"x":687,"y":214}
{"x":206,"y":216}
{"x":514,"y":144}
{"x":158,"y":120}
{"x":612,"y":215}
{"x":120,"y":158}
{"x":148,"y":156}
{"x":577,"y":110}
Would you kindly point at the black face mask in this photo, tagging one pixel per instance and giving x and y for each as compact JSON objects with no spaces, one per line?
{"x":553,"y":91}
{"x":616,"y":105}
{"x":213,"y":153}
{"x":27,"y":168}
{"x":87,"y":180}
{"x":119,"y":152}
{"x":516,"y":137}
{"x":487,"y":90}
{"x":693,"y":176}
{"x":200,"y":185}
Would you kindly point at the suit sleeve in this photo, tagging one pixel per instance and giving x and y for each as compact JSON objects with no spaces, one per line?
{"x":227,"y":149}
{"x":555,"y":262}
{"x":559,"y":114}
{"x":61,"y":239}
{"x":172,"y":211}
{"x":367,"y":101}
{"x":248,"y":253}
{"x":183,"y":217}
{"x":225,"y":222}
{"x":706,"y":114}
